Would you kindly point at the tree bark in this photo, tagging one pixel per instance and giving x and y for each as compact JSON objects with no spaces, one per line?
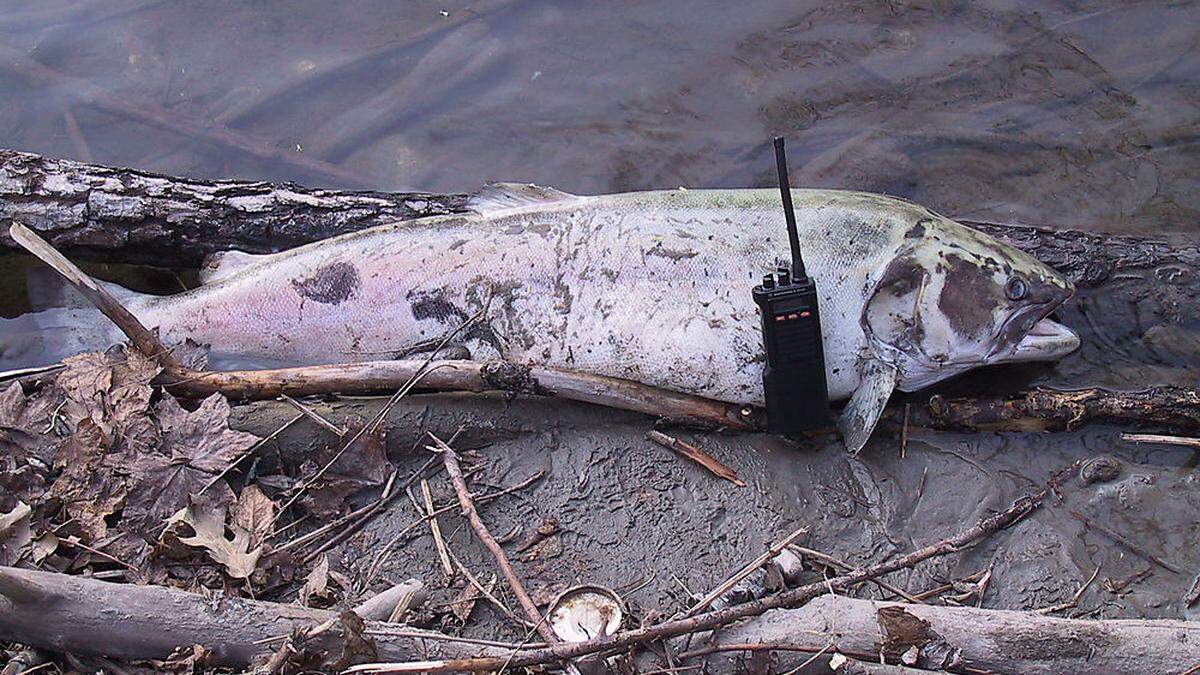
{"x":965,"y":639}
{"x":125,"y":215}
{"x":130,"y":216}
{"x":61,"y":612}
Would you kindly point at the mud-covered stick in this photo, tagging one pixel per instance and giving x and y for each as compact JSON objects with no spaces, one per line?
{"x":1124,"y":541}
{"x":143,"y":338}
{"x":454,"y":470}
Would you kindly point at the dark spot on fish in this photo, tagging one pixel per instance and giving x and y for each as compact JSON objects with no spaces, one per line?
{"x":917,"y":231}
{"x":902,"y":276}
{"x":889,"y":313}
{"x":672,"y":254}
{"x":432,"y":305}
{"x":331,"y":285}
{"x":966,"y":297}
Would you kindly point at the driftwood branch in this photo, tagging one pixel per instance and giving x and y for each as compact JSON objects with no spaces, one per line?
{"x":964,"y":639}
{"x":1043,"y":409}
{"x":68,"y":613}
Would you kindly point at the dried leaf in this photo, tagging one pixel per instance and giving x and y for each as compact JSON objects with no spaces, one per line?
{"x":113,"y":390}
{"x":92,"y":485}
{"x":208,"y":523}
{"x":254,"y":512}
{"x":42,"y":547}
{"x":193,"y":659}
{"x":15,"y":534}
{"x":363,"y":465}
{"x":316,"y":585}
{"x":160,"y":486}
{"x":356,"y":646}
{"x":24,"y":423}
{"x":195,"y":446}
{"x":202,"y":439}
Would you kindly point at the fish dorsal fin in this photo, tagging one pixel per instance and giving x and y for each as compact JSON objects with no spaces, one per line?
{"x":866,"y":405}
{"x":224,"y":264}
{"x":497,"y":197}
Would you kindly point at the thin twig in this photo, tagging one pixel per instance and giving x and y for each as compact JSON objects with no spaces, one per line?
{"x":454,"y":470}
{"x":1074,"y":601}
{"x":438,"y":542}
{"x":1124,"y":541}
{"x":697,"y":455}
{"x":1158,"y":438}
{"x":312,"y":415}
{"x":488,"y":595}
{"x":249,"y":451}
{"x":846,"y":567}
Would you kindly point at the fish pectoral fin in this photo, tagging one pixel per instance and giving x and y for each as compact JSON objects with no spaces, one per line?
{"x":496,"y":197}
{"x":866,"y":405}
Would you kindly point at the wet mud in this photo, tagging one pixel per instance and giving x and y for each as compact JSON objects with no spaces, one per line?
{"x":635,"y":517}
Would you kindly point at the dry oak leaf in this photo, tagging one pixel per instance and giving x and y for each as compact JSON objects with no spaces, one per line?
{"x":208,"y":522}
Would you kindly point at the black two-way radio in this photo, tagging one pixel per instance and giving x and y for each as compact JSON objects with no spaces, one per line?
{"x":794,"y":376}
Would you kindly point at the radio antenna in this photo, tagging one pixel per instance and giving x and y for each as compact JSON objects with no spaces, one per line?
{"x":785,"y":192}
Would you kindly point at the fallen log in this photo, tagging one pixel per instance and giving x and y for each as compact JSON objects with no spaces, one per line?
{"x":125,"y":215}
{"x":963,"y":639}
{"x":60,"y":612}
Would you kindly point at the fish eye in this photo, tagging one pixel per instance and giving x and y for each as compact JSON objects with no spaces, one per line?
{"x":1015,"y":289}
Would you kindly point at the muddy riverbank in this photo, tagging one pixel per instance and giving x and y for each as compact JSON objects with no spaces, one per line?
{"x":633,"y":516}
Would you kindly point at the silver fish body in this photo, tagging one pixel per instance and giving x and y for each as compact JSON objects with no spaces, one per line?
{"x":651,"y":286}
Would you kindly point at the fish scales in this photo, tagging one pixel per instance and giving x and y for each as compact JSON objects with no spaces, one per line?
{"x":653,"y":287}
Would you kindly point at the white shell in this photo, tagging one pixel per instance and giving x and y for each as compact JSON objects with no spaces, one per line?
{"x":586,"y":612}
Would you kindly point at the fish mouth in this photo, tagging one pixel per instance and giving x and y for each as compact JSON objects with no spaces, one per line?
{"x":1047,"y":340}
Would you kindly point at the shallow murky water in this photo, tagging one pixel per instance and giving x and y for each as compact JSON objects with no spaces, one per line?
{"x":1081,"y":115}
{"x":1068,"y":113}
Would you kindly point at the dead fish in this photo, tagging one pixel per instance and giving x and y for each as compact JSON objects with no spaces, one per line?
{"x":650,"y":286}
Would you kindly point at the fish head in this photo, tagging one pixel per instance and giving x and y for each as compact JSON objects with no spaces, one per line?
{"x":953,"y":299}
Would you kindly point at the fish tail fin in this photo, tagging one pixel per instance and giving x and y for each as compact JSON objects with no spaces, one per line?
{"x":63,"y":322}
{"x":51,"y":335}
